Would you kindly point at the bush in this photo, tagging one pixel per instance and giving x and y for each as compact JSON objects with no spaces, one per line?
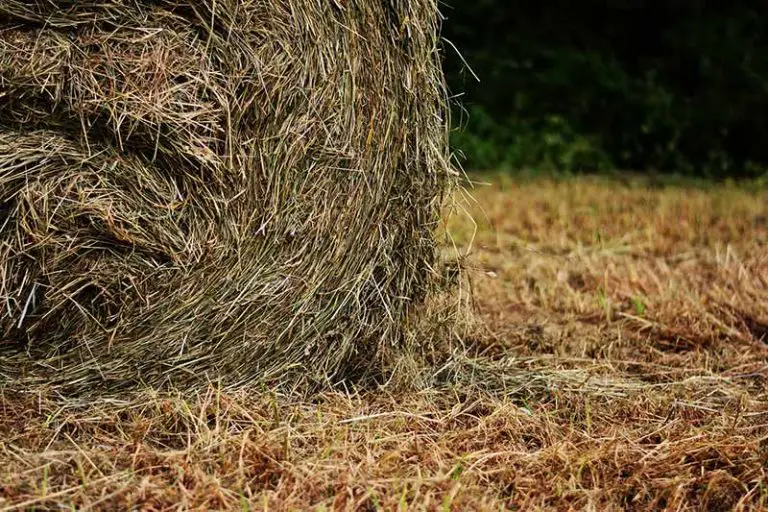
{"x":677,"y":87}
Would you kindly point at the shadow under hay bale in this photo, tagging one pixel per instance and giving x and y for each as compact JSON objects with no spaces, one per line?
{"x":225,"y":190}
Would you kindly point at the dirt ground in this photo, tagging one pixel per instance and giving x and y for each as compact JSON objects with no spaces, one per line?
{"x":617,"y":359}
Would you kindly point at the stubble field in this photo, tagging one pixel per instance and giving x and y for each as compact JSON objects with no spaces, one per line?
{"x":617,"y":359}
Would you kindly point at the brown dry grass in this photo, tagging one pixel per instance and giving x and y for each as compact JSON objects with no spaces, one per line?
{"x":618,"y":360}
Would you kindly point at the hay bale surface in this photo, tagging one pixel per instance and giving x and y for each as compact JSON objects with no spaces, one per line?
{"x":215,"y":189}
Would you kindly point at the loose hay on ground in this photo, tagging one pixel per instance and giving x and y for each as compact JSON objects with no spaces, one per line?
{"x":217,"y":189}
{"x":576,"y":402}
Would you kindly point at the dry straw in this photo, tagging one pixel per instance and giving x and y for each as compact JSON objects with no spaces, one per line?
{"x":217,"y":189}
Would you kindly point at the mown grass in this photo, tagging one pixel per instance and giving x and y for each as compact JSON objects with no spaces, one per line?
{"x":617,"y":359}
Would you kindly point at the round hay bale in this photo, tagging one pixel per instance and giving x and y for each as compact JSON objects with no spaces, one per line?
{"x":215,"y":190}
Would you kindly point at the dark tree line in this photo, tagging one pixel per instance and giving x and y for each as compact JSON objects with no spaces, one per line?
{"x":676,"y":86}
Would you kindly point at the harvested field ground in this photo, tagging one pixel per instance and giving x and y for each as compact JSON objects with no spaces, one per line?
{"x":618,"y":359}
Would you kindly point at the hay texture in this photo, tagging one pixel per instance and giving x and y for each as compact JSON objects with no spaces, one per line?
{"x":218,"y":189}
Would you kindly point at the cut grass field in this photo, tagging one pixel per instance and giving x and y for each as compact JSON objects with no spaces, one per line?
{"x":617,"y":359}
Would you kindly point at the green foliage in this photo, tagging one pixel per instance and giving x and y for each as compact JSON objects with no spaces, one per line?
{"x":678,"y":87}
{"x":551,"y":144}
